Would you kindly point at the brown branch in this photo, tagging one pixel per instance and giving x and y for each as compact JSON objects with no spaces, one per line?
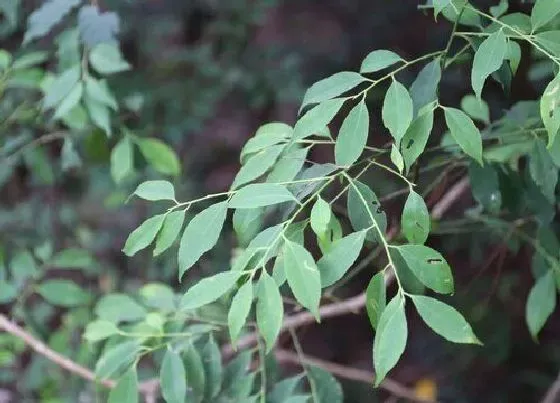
{"x":354,"y":374}
{"x":553,"y":393}
{"x":41,"y":348}
{"x":150,"y":387}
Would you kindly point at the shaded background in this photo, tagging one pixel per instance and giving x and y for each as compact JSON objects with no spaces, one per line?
{"x":207,"y":74}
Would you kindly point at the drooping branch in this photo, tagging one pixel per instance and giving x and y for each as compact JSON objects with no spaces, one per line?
{"x":149,"y":388}
{"x":356,"y":303}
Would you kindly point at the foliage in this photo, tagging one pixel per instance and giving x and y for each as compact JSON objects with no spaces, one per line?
{"x":296,"y":235}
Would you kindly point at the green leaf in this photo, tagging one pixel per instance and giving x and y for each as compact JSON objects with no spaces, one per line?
{"x":282,"y":390}
{"x":341,"y":256}
{"x":424,"y":88}
{"x":142,"y":236}
{"x":119,"y":308}
{"x":99,"y":91}
{"x":499,"y":9}
{"x":30,"y":60}
{"x":44,"y":18}
{"x":257,"y":165}
{"x":397,"y":110}
{"x":122,"y":160}
{"x":212,"y":362}
{"x":160,"y":156}
{"x":464,"y":132}
{"x":99,"y":115}
{"x":247,"y":223}
{"x":169,"y":231}
{"x":541,"y":303}
{"x":23,"y":267}
{"x":63,"y":293}
{"x":173,"y":378}
{"x":5,"y":59}
{"x":376,"y":299}
{"x":485,"y":186}
{"x":320,"y":217}
{"x":429,"y":267}
{"x":159,"y":296}
{"x":303,"y":276}
{"x":513,"y":55}
{"x":266,"y":136}
{"x":331,"y":87}
{"x":61,"y":87}
{"x":99,"y":330}
{"x":488,"y":59}
{"x":126,"y":389}
{"x":317,"y":118}
{"x":260,"y":195}
{"x":468,"y":16}
{"x":270,"y":310}
{"x":117,"y":358}
{"x":8,"y":292}
{"x":397,"y":158}
{"x":550,"y":109}
{"x":196,"y":380}
{"x":106,"y":58}
{"x":209,"y":290}
{"x":326,"y":387}
{"x":444,"y":320}
{"x":550,"y":40}
{"x":353,"y":136}
{"x":416,"y":137}
{"x":415,"y":219}
{"x":543,"y":170}
{"x":476,"y":108}
{"x":97,"y":27}
{"x":69,"y":102}
{"x":439,"y":5}
{"x":201,"y":234}
{"x":362,"y":206}
{"x":379,"y":60}
{"x":390,"y":339}
{"x":155,"y":190}
{"x":72,"y":259}
{"x":239,"y":310}
{"x":543,"y":12}
{"x":288,"y":166}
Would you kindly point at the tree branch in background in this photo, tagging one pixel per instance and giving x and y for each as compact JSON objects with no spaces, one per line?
{"x":353,"y":374}
{"x":149,"y":388}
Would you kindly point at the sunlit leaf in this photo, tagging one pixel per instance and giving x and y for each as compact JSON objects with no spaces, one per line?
{"x":353,"y":135}
{"x":200,"y":235}
{"x":390,"y":338}
{"x":444,"y":320}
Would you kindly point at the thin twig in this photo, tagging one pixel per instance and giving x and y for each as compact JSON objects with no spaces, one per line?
{"x":354,"y":374}
{"x":553,"y":393}
{"x":150,"y":387}
{"x":8,"y":326}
